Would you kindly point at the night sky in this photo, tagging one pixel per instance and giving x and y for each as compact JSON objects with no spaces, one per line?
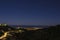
{"x":30,"y":12}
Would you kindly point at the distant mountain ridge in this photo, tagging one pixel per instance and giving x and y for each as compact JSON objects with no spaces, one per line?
{"x":28,"y":26}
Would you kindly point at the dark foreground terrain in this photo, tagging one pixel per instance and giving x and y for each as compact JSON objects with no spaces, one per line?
{"x":51,"y":33}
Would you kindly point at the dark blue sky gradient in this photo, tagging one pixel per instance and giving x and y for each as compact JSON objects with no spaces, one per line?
{"x":30,"y":12}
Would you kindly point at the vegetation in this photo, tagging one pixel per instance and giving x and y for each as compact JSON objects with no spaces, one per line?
{"x":51,"y":33}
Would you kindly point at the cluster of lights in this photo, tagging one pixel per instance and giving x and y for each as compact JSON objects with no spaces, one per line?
{"x":3,"y":24}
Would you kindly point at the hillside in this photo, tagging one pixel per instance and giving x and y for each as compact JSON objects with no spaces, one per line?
{"x":51,"y":33}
